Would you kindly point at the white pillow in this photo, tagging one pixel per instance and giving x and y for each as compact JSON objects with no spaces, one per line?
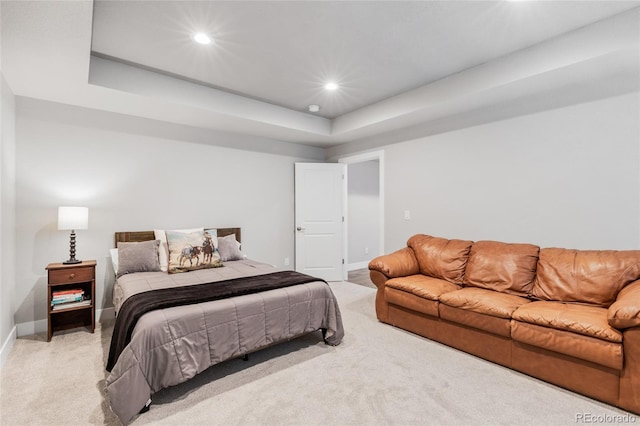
{"x":114,"y":259}
{"x":229,"y":248}
{"x":163,"y":253}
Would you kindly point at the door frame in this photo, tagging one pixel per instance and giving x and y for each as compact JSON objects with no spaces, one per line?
{"x":360,"y":158}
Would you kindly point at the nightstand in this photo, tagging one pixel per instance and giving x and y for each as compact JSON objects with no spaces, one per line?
{"x":71,"y":279}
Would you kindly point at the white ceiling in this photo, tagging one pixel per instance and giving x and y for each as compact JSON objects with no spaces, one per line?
{"x":399,"y":64}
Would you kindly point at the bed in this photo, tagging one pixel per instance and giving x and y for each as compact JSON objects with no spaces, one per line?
{"x":170,"y":345}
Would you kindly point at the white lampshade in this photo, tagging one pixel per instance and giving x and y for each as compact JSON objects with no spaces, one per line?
{"x":72,"y":218}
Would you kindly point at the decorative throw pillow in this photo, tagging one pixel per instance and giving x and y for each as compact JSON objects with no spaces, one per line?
{"x":229,"y":248}
{"x":161,"y":235}
{"x":210,"y":252}
{"x":138,"y":257}
{"x":214,"y":236}
{"x":192,"y":251}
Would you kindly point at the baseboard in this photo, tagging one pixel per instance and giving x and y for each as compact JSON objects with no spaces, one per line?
{"x":31,"y":327}
{"x":358,"y":265}
{"x":7,"y":346}
{"x":40,"y":326}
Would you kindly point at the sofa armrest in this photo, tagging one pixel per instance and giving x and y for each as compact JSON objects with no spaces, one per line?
{"x":400,"y":263}
{"x":625,"y":311}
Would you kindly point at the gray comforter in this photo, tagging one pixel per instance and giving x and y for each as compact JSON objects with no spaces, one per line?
{"x":170,"y":346}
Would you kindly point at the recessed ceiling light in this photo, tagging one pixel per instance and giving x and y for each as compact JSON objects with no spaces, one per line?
{"x":202,"y":38}
{"x":331,"y":86}
{"x":314,"y":108}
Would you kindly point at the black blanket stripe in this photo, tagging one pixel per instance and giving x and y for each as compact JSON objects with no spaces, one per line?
{"x":139,"y":304}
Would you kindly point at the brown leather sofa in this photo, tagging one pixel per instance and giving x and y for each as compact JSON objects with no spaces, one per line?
{"x":569,"y":317}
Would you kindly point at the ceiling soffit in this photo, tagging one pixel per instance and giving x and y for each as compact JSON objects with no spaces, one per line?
{"x":610,"y":46}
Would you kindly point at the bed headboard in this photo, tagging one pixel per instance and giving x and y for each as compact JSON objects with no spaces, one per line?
{"x":137,"y":236}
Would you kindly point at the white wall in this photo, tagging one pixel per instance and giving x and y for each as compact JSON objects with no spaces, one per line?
{"x":363,"y":197}
{"x":7,"y":218}
{"x":568,"y":177}
{"x":137,"y":174}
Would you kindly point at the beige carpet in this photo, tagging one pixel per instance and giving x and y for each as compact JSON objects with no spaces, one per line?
{"x":379,"y":375}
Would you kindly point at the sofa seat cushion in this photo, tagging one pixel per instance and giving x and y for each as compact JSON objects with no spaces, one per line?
{"x":585,"y":276}
{"x":503,"y":267}
{"x":598,"y":351}
{"x":422,"y":286}
{"x":582,"y":319}
{"x":489,"y":323}
{"x":441,"y":258}
{"x":487,"y":302}
{"x":410,"y":301}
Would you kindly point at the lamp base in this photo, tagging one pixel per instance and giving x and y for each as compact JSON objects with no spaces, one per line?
{"x":72,"y":250}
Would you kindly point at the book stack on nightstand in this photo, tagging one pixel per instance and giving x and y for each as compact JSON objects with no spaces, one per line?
{"x":71,"y":296}
{"x":65,"y":299}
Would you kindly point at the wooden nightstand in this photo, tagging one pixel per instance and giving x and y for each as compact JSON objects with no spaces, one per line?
{"x":78,"y":276}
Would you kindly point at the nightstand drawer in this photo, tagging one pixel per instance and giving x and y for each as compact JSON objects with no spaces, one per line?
{"x":75,"y":275}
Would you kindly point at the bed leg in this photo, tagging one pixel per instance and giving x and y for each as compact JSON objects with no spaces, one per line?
{"x":146,"y":407}
{"x":245,"y":357}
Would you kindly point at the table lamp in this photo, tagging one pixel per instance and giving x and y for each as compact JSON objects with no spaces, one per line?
{"x":73,"y":218}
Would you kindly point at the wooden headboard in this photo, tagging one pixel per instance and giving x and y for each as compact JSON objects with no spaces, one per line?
{"x":137,"y":236}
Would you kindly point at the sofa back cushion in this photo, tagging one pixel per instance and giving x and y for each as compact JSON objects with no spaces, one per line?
{"x":441,"y":258}
{"x":507,"y":268}
{"x":585,"y":276}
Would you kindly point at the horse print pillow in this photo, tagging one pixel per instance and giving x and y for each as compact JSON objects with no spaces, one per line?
{"x":191,"y":251}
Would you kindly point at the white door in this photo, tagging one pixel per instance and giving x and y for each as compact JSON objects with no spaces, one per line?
{"x":319,"y":191}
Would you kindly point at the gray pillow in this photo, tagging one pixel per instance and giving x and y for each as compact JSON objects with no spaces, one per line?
{"x":229,"y":248}
{"x":138,"y":257}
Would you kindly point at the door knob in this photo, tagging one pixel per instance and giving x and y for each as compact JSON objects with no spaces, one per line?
{"x":300,"y":229}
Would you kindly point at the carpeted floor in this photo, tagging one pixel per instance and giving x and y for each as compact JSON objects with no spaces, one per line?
{"x":379,"y":375}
